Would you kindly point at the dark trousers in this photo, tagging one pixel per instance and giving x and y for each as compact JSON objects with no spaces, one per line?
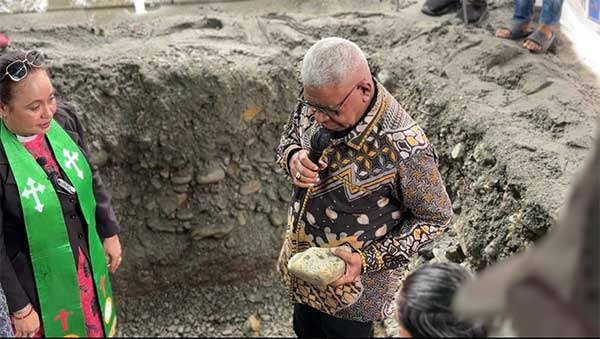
{"x":311,"y":323}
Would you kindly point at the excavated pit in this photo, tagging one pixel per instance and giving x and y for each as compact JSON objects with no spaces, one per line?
{"x":184,"y":107}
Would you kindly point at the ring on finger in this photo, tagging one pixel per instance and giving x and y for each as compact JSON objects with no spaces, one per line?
{"x":298,"y":175}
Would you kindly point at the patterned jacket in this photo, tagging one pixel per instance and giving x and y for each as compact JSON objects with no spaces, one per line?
{"x":381,"y":193}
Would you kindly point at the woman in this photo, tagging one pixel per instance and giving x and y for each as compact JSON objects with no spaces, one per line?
{"x":425,"y":300}
{"x":54,"y":212}
{"x":540,"y":39}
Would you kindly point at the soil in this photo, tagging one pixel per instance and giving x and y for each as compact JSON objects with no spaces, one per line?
{"x":184,"y":106}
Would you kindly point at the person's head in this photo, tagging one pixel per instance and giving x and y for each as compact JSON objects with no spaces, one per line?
{"x":424,"y":305}
{"x":27,"y":99}
{"x":337,"y":83}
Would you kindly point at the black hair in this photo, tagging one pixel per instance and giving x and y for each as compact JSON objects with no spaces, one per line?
{"x":7,"y":84}
{"x":425,"y":302}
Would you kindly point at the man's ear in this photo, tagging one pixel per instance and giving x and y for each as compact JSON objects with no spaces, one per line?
{"x":366,"y":89}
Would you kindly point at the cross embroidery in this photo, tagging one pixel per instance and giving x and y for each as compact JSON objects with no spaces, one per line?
{"x":71,"y":161}
{"x":34,"y":190}
{"x":62,"y":317}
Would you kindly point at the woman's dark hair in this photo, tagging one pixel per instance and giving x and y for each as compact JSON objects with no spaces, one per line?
{"x":425,"y":302}
{"x":6,"y":84}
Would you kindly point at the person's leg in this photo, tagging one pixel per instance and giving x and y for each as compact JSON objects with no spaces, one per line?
{"x":341,"y":328}
{"x":549,"y":17}
{"x":307,"y":322}
{"x":523,"y":13}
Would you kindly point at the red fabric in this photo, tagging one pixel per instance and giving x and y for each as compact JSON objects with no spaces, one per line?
{"x":89,"y":302}
{"x":38,"y":147}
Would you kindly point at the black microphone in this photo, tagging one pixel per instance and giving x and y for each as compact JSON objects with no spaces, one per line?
{"x":54,"y":177}
{"x":318,"y":143}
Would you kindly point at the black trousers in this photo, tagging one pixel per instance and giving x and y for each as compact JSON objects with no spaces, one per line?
{"x":311,"y":323}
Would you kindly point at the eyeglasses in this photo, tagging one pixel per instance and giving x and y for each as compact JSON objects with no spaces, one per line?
{"x":331,"y":112}
{"x":17,"y":70}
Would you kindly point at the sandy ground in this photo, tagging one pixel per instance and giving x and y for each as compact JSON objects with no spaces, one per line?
{"x":205,"y":88}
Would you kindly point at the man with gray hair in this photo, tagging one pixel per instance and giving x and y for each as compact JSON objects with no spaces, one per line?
{"x":376,"y":189}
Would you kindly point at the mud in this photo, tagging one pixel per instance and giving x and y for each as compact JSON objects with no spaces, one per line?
{"x":184,"y":106}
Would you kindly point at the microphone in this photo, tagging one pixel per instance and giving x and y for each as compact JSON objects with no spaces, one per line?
{"x":319,"y":141}
{"x":54,"y":177}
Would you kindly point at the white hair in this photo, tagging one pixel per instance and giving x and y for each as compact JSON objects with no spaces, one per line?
{"x":331,"y":61}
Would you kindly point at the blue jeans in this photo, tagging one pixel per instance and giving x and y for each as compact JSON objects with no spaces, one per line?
{"x":550,"y":14}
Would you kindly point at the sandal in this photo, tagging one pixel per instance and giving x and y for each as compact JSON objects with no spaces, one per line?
{"x":516,"y":30}
{"x":542,"y":40}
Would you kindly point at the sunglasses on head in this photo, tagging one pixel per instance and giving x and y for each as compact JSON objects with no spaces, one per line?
{"x":17,"y":70}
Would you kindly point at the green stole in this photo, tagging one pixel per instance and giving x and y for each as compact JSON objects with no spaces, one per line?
{"x":53,"y":263}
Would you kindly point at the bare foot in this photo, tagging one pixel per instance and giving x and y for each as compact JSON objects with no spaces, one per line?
{"x":533,"y":46}
{"x":505,"y":33}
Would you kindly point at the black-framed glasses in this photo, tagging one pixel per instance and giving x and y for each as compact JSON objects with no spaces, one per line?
{"x":17,"y":70}
{"x":331,"y":112}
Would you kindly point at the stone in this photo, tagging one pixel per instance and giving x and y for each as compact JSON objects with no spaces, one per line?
{"x":276,"y":219}
{"x":455,"y":254}
{"x":458,"y":151}
{"x":168,"y":204}
{"x":181,"y":180}
{"x":180,"y":188}
{"x":230,"y":243}
{"x":181,"y":198}
{"x":212,"y":231}
{"x":483,"y":155}
{"x":212,"y":177}
{"x":250,"y":187}
{"x":253,"y":323}
{"x":185,"y":214}
{"x":317,"y":266}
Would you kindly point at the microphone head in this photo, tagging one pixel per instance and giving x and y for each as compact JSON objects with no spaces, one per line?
{"x":320,"y":140}
{"x":42,"y":161}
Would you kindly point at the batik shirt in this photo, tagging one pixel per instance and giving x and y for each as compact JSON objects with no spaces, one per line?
{"x":381,"y":194}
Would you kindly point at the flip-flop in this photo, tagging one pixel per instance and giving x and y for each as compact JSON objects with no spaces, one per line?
{"x":542,"y":40}
{"x":516,"y":30}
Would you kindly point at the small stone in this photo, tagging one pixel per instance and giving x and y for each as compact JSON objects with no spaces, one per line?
{"x":168,"y":204}
{"x":276,"y":219}
{"x":212,"y":231}
{"x":185,"y":215}
{"x":164,"y":173}
{"x":250,"y":187}
{"x":458,"y":151}
{"x":483,"y":155}
{"x":241,"y":219}
{"x":212,"y":177}
{"x":156,"y":183}
{"x":181,"y":180}
{"x":230,"y":243}
{"x":455,"y":254}
{"x":253,"y":323}
{"x":180,"y":188}
{"x":181,"y":198}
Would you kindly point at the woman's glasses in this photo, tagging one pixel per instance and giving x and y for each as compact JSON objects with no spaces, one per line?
{"x":17,"y":70}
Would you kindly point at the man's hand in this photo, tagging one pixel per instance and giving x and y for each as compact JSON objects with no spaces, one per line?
{"x":353,"y":266}
{"x":112,"y":249}
{"x":305,"y":173}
